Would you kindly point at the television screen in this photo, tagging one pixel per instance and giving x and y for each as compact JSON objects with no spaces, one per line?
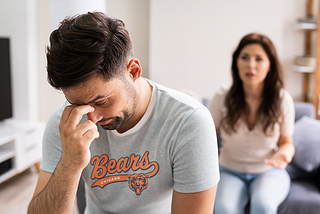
{"x":5,"y":80}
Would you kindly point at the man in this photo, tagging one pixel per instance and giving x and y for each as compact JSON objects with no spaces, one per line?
{"x":140,"y":147}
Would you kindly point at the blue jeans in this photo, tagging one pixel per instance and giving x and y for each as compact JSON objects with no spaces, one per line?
{"x":265,"y":191}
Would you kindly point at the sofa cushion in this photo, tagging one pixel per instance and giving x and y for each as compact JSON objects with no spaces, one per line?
{"x":306,"y":139}
{"x":303,"y":198}
{"x":296,"y":173}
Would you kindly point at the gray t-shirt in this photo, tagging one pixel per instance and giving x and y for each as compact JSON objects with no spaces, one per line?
{"x":172,"y":147}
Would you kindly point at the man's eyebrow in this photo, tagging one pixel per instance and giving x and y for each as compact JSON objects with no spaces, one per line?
{"x":90,"y":102}
{"x":95,"y":99}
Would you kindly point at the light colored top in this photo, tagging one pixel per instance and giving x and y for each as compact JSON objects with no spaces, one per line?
{"x":173,"y":146}
{"x":245,"y":149}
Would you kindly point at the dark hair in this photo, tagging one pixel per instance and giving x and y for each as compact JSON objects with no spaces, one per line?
{"x":270,"y":107}
{"x":85,"y":45}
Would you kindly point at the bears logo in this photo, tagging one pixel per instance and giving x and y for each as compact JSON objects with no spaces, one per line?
{"x":108,"y":171}
{"x":138,"y":182}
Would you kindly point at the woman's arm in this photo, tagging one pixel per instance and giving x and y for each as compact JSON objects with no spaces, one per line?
{"x":284,"y":154}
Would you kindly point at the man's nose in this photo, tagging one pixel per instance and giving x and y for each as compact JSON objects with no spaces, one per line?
{"x":94,"y":116}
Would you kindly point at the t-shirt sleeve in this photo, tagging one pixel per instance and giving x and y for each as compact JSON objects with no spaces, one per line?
{"x":51,"y":144}
{"x":195,"y":158}
{"x":287,"y":105}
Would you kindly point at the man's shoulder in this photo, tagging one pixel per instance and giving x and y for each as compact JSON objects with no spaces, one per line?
{"x":176,"y":108}
{"x":56,"y":115}
{"x":175,"y":98}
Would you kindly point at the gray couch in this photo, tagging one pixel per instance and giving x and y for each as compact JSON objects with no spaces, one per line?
{"x":304,"y":170}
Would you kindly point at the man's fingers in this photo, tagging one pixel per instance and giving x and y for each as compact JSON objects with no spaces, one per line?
{"x":90,"y":135}
{"x":65,"y":115}
{"x":77,"y":113}
{"x":84,"y":127}
{"x":90,"y":132}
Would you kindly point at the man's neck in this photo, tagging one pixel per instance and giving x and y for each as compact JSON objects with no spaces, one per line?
{"x":144,"y":91}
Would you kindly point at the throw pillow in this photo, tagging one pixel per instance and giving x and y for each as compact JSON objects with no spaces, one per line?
{"x":306,"y":139}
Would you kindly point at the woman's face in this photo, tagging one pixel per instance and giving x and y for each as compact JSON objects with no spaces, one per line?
{"x":253,"y":65}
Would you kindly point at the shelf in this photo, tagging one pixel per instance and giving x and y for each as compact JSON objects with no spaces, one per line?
{"x":306,"y":26}
{"x":6,"y":154}
{"x":304,"y":69}
{"x":7,"y":175}
{"x":9,"y":129}
{"x":20,"y":142}
{"x":309,"y":24}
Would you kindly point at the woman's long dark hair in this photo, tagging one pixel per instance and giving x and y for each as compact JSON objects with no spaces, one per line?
{"x":270,"y":107}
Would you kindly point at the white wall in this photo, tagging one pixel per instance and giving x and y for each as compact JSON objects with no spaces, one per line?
{"x":181,"y":43}
{"x":293,"y":44}
{"x":18,"y":22}
{"x":49,"y":98}
{"x":60,"y":9}
{"x":191,"y":42}
{"x":135,"y":15}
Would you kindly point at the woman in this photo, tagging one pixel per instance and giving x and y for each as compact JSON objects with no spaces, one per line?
{"x":255,"y":120}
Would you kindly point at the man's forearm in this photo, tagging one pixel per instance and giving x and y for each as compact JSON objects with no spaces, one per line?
{"x":59,"y":194}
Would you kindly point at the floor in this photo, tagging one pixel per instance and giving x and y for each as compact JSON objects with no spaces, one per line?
{"x":16,"y":193}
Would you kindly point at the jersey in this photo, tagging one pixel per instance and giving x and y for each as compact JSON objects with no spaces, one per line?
{"x":173,"y":146}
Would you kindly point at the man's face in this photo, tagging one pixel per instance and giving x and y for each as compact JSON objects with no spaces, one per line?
{"x":114,"y":100}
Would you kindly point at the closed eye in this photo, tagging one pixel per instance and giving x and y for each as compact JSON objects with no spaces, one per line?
{"x":101,"y":103}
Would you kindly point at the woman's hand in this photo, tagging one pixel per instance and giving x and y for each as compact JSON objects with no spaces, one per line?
{"x":284,"y":154}
{"x":279,"y":160}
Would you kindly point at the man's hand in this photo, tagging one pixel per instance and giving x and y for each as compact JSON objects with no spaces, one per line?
{"x":51,"y":194}
{"x":76,"y":138}
{"x":279,"y":160}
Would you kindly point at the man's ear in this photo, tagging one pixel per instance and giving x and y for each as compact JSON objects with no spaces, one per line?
{"x":134,"y":69}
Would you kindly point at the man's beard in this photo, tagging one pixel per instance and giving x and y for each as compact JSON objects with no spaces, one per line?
{"x":116,"y":122}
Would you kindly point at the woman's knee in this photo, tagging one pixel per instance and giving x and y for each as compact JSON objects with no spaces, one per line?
{"x":228,"y":208}
{"x":232,"y":195}
{"x":260,"y":206}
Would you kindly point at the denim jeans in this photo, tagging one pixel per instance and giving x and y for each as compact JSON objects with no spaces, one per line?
{"x":265,"y":191}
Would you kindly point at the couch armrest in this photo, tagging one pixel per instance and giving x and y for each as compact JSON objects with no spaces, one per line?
{"x":317,"y":179}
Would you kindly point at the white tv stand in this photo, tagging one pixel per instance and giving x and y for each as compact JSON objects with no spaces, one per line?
{"x":20,"y":145}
